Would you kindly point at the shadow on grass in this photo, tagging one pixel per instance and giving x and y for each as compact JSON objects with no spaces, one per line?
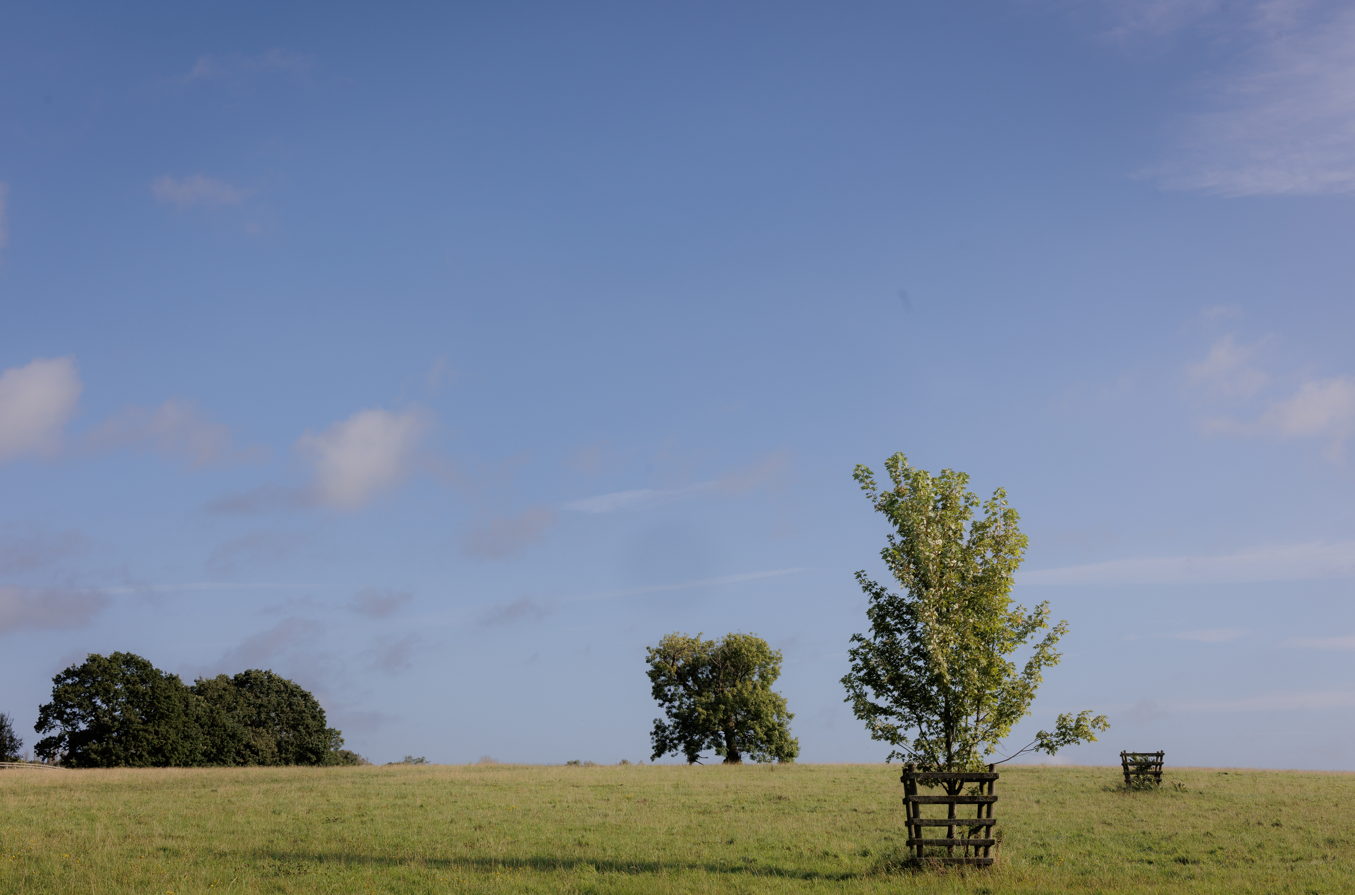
{"x":299,"y":863}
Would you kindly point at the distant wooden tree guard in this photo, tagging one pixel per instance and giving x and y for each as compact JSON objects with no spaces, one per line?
{"x":983,"y":821}
{"x":1141,"y":766}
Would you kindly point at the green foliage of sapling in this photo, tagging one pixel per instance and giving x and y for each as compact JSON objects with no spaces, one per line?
{"x":934,"y":677}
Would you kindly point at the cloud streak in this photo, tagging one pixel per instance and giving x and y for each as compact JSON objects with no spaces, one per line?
{"x":1279,"y":562}
{"x":1320,"y":700}
{"x":1207,"y":635}
{"x":1283,"y":117}
{"x":275,"y":61}
{"x":756,"y":475}
{"x":204,"y":585}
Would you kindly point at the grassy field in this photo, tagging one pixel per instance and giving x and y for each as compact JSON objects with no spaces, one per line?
{"x":794,"y":828}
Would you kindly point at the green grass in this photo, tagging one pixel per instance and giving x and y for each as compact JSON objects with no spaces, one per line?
{"x":792,"y":828}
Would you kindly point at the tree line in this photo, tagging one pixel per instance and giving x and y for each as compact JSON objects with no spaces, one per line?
{"x":121,"y":711}
{"x":934,"y":677}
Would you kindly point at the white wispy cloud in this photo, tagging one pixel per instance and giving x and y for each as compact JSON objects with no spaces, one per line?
{"x":1135,"y":18}
{"x":1145,"y":710}
{"x":1318,"y":409}
{"x":196,"y":189}
{"x":1228,"y":370}
{"x":356,"y":459}
{"x":1323,"y":643}
{"x":1282,"y":116}
{"x":36,"y":401}
{"x":162,"y":588}
{"x":1315,"y":408}
{"x":1321,"y":407}
{"x":176,"y":428}
{"x":1279,"y":562}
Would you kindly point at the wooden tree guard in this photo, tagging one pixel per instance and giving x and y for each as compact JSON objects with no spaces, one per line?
{"x":1141,"y":766}
{"x":955,"y":781}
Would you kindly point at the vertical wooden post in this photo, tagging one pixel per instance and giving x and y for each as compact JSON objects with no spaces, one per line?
{"x":950,"y":830}
{"x":988,"y":831}
{"x":911,"y":808}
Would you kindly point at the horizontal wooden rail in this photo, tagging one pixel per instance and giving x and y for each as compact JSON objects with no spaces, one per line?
{"x":951,"y":800}
{"x":974,"y":842}
{"x":963,"y":776}
{"x":30,"y":764}
{"x":953,"y":821}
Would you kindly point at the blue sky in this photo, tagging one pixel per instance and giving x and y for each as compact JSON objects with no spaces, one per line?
{"x":443,"y":359}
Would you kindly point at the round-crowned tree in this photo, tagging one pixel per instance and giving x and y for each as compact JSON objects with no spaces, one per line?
{"x":718,"y":695}
{"x":119,"y":711}
{"x":261,"y":718}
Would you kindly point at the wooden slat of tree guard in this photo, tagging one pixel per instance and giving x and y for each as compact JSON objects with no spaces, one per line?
{"x":966,"y":776}
{"x":1142,"y":765}
{"x":912,"y":803}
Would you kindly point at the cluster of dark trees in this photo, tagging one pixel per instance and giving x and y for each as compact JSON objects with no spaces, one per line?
{"x":934,"y":678}
{"x":121,"y":711}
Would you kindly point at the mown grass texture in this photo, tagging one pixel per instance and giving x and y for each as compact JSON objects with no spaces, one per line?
{"x":786,"y":828}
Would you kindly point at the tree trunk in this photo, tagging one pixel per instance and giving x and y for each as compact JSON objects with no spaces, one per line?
{"x":731,"y":748}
